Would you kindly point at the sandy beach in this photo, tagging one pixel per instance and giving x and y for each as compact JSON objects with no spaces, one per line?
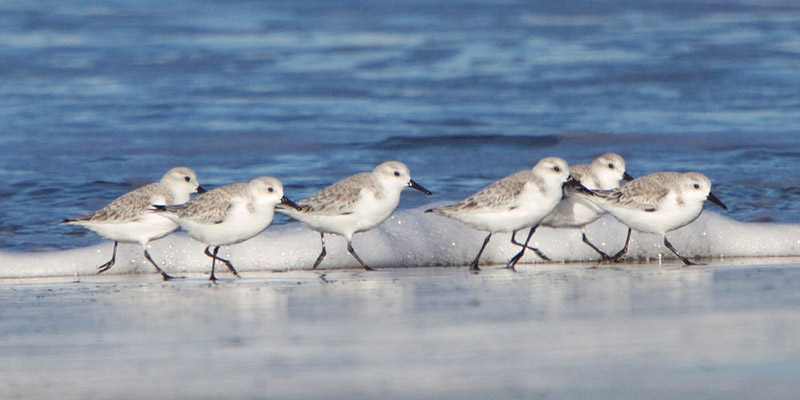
{"x":555,"y":331}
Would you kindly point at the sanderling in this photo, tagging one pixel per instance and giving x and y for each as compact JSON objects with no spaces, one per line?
{"x":128,"y":220}
{"x":229,"y":214}
{"x":355,"y":204}
{"x":659,"y":203}
{"x":515,"y":202}
{"x":575,"y":210}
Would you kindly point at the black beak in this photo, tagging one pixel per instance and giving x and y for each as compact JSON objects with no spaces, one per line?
{"x":627,"y":177}
{"x":285,"y":200}
{"x":200,"y":190}
{"x":576,"y":184}
{"x":716,"y":201}
{"x":419,"y":187}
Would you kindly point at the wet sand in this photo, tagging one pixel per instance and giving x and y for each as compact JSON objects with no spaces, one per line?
{"x":727,"y":330}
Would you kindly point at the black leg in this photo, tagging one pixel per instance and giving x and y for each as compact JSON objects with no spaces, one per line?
{"x":605,"y":256}
{"x":474,"y":265}
{"x":323,"y":253}
{"x":525,"y":246}
{"x":513,"y":261}
{"x":105,"y":267}
{"x":226,"y":262}
{"x":684,"y":259}
{"x":621,"y":253}
{"x":163,"y":274}
{"x":213,"y":262}
{"x":360,"y":261}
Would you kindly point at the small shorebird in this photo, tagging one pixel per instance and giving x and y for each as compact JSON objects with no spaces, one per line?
{"x":576,"y":210}
{"x":228,"y":215}
{"x":659,"y":203}
{"x":355,"y":204}
{"x":128,"y":220}
{"x":510,"y":204}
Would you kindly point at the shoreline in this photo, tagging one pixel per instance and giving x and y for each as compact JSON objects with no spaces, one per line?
{"x":555,"y":331}
{"x":526,"y":267}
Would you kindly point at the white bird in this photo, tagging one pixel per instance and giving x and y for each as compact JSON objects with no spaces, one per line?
{"x":659,"y":203}
{"x":576,"y":210}
{"x":355,"y":204}
{"x":229,"y":214}
{"x":128,"y":220}
{"x":515,"y":202}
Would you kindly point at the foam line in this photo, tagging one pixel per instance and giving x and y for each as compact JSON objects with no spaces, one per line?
{"x":411,"y":238}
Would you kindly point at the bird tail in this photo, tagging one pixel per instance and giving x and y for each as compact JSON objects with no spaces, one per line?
{"x":171,"y":208}
{"x":436,"y":211}
{"x":287,"y":209}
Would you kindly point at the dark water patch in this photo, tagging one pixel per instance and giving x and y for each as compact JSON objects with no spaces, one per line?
{"x":396,"y":143}
{"x":44,"y":192}
{"x":458,"y":123}
{"x":352,"y":50}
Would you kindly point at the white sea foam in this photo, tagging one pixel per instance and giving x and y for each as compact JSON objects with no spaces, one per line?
{"x":411,"y":238}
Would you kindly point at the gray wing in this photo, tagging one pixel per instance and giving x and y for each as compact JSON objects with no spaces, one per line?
{"x":644,"y":193}
{"x":500,"y":195}
{"x":129,"y":206}
{"x":210,"y":207}
{"x":339,"y":198}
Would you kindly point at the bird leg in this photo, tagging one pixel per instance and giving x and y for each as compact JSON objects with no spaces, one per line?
{"x":360,"y":261}
{"x":605,"y":256}
{"x":524,"y":246}
{"x":323,"y":253}
{"x":621,"y":253}
{"x":684,"y":259}
{"x":226,"y":262}
{"x":474,"y":265}
{"x":150,"y":259}
{"x":105,"y":267}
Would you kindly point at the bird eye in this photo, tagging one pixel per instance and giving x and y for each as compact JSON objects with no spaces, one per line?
{"x":396,"y":173}
{"x":696,"y":186}
{"x":270,"y":190}
{"x":187,"y":179}
{"x":557,"y":168}
{"x":610,"y":165}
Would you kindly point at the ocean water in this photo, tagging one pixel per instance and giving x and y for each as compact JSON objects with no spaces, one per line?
{"x":99,"y":97}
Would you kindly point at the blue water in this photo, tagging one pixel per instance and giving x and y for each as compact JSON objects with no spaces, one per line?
{"x":99,"y":97}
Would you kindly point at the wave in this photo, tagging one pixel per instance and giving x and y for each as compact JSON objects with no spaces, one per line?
{"x":412,"y":239}
{"x":464,"y":141}
{"x":731,"y":141}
